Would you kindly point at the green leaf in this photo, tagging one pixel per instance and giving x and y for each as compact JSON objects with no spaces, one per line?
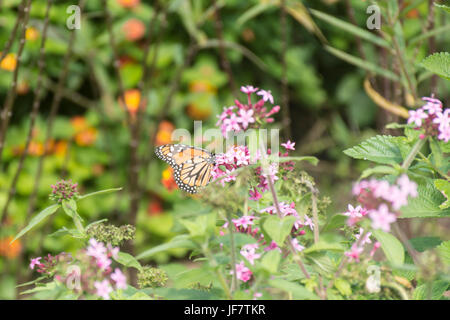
{"x":98,"y":192}
{"x":253,"y":12}
{"x":444,"y":252}
{"x":424,"y":243}
{"x":380,"y":149}
{"x":313,"y":160}
{"x":362,"y":63}
{"x":384,"y":170}
{"x":351,"y":29}
{"x":392,"y":247}
{"x":298,"y":291}
{"x":426,"y":204}
{"x":271,"y":260}
{"x":38,"y":218}
{"x":343,"y":287}
{"x":444,"y":187}
{"x":177,"y":242}
{"x":324,"y":246}
{"x":278,"y":229}
{"x":127,"y":260}
{"x":438,"y":63}
{"x":443,"y":7}
{"x":437,"y":290}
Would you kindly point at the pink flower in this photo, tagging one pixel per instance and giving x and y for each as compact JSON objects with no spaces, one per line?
{"x":34,"y":262}
{"x":119,"y":278}
{"x":266,"y":95}
{"x":96,"y":249}
{"x":249,"y":252}
{"x":444,"y":134}
{"x":366,"y":237}
{"x":242,"y":272}
{"x":244,"y":221}
{"x":407,"y":186}
{"x":297,"y":246}
{"x":257,"y":295}
{"x":382,"y":218}
{"x":103,"y":289}
{"x":248,"y":89}
{"x":245,"y":117}
{"x":309,"y":222}
{"x":433,"y":105}
{"x":254,"y":194}
{"x":113,"y":251}
{"x":354,"y":253}
{"x":289,"y":145}
{"x":376,"y":245}
{"x":417,"y":116}
{"x":272,"y":246}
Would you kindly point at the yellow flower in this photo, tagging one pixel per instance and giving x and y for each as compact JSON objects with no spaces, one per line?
{"x":132,"y":100}
{"x":9,"y":63}
{"x":31,"y":34}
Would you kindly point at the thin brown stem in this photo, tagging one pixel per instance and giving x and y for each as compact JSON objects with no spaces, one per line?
{"x":284,"y":79}
{"x":13,"y":34}
{"x":34,"y":113}
{"x":12,"y":93}
{"x":222,"y":52}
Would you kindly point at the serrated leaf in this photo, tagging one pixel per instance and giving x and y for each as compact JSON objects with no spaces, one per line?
{"x":437,"y":290}
{"x":438,"y":63}
{"x":392,"y":247}
{"x":380,"y":149}
{"x":444,"y":252}
{"x":425,"y":243}
{"x":444,"y":187}
{"x":426,"y":204}
{"x":38,"y":218}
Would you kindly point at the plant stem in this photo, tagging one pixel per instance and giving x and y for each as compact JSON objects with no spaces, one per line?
{"x":412,"y":154}
{"x":433,"y":166}
{"x":219,"y":274}
{"x":234,"y":283}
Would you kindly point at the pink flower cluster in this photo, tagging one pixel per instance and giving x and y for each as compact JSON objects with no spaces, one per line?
{"x":248,"y":251}
{"x":242,"y":272}
{"x":242,"y":116}
{"x":289,"y":210}
{"x":357,"y":248}
{"x":228,"y":162}
{"x":94,"y":269}
{"x":432,"y":119}
{"x":380,"y":200}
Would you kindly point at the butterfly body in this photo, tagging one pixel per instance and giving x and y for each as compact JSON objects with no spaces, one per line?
{"x":192,"y":166}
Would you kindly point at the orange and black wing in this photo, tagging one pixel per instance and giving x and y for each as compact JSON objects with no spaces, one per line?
{"x":192,"y":166}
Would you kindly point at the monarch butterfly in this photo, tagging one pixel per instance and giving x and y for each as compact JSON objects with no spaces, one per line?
{"x":192,"y":166}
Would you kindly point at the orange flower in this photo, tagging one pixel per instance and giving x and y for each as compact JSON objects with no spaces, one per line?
{"x":413,"y":14}
{"x":129,"y":3}
{"x":167,"y":179}
{"x":8,"y":249}
{"x":202,"y":86}
{"x":79,"y":123}
{"x":31,"y":34}
{"x":134,"y":29}
{"x":164,"y":134}
{"x":60,"y":148}
{"x":9,"y":63}
{"x":198,"y":112}
{"x":132,"y":100}
{"x":22,"y":87}
{"x":86,"y":137}
{"x":155,"y":207}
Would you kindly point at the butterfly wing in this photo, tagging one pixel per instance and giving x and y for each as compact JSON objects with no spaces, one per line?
{"x":192,"y":166}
